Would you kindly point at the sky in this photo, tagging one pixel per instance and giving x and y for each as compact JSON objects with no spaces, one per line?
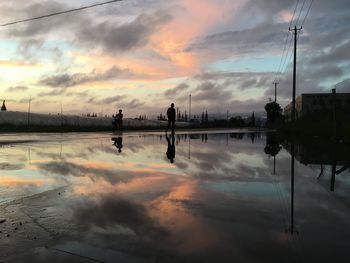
{"x":141,"y":55}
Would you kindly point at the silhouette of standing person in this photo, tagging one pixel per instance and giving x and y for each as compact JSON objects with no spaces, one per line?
{"x":171,"y":117}
{"x":170,"y":152}
{"x":119,"y":120}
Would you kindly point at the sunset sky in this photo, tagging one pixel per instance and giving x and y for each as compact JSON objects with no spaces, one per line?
{"x":141,"y":55}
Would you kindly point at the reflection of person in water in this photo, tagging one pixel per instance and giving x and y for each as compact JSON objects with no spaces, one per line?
{"x":252,"y":137}
{"x":170,"y":153}
{"x":118,"y":142}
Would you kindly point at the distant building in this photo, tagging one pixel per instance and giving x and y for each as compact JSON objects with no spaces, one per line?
{"x":313,"y":102}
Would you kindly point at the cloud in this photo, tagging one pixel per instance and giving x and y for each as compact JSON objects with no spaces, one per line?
{"x":71,"y":80}
{"x":177,"y":90}
{"x":209,"y":91}
{"x":133,"y":103}
{"x":113,"y":99}
{"x":121,"y":101}
{"x":53,"y":92}
{"x":174,"y":41}
{"x":265,"y":37}
{"x":40,"y":27}
{"x":114,"y":37}
{"x":17,"y":89}
{"x":337,"y":54}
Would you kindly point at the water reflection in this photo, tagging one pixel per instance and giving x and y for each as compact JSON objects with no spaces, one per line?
{"x":272,"y":148}
{"x":219,"y":201}
{"x":170,"y":152}
{"x":333,"y":157}
{"x":118,"y":143}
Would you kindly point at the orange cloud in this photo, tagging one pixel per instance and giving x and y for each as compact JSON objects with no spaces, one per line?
{"x":10,"y":181}
{"x":165,"y":56}
{"x":12,"y":63}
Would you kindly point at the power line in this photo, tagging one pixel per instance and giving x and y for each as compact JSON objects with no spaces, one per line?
{"x":307,"y":13}
{"x":301,"y":10}
{"x":60,"y":13}
{"x":291,"y":55}
{"x":289,"y":59}
{"x":295,"y":9}
{"x":286,"y":42}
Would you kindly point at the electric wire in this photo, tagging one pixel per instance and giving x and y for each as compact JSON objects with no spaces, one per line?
{"x":307,"y":13}
{"x":286,"y":41}
{"x":301,"y":10}
{"x":60,"y":13}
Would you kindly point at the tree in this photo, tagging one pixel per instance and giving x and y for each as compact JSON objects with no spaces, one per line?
{"x":203,"y":118}
{"x":237,"y":121}
{"x":272,"y":147}
{"x":206,"y":117}
{"x":252,"y":120}
{"x":274,"y":113}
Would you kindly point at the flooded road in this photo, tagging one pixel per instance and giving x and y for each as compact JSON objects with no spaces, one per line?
{"x":147,"y":197}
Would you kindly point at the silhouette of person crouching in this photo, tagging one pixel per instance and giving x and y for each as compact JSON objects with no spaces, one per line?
{"x":118,"y":121}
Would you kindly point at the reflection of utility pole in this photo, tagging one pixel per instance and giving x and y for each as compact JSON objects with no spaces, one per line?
{"x":61,"y":150}
{"x":275,"y":83}
{"x":30,"y":161}
{"x":292,"y":192}
{"x":334,"y":167}
{"x":189,"y":147}
{"x":295,"y":31}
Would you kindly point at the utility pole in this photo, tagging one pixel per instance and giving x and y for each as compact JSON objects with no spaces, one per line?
{"x":227,"y":123}
{"x":276,"y":83}
{"x":295,"y":32}
{"x":30,"y":101}
{"x":334,"y":96}
{"x":189,"y":112}
{"x":61,"y":114}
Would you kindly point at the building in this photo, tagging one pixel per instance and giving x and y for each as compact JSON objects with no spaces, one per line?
{"x":3,"y":108}
{"x":313,"y":102}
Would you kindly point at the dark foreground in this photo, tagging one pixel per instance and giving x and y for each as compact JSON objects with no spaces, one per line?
{"x":228,"y":197}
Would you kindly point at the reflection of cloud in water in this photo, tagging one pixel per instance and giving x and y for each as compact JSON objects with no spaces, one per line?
{"x":97,"y":171}
{"x":106,"y":211}
{"x":10,"y":166}
{"x":220,"y":211}
{"x":12,"y":181}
